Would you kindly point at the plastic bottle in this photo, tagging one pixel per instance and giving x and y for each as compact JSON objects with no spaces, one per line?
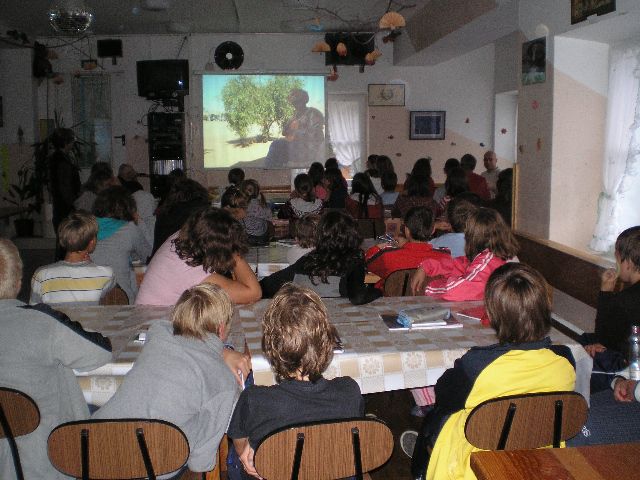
{"x":634,"y":353}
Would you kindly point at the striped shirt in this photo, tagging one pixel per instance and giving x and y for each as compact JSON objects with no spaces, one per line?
{"x":71,"y":283}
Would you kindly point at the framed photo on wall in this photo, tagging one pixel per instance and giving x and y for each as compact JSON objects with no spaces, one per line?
{"x":427,"y":125}
{"x":581,"y":9}
{"x":386,"y":95}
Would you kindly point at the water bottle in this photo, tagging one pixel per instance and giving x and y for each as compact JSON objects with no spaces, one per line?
{"x":634,"y":353}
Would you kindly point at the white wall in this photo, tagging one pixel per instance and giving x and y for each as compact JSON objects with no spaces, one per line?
{"x":17,"y":92}
{"x":504,"y":144}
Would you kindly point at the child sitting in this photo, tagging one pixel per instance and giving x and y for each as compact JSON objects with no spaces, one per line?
{"x":76,"y":279}
{"x":518,"y":304}
{"x":298,"y":340}
{"x":364,"y":201}
{"x":257,"y":221}
{"x":617,"y":311}
{"x":235,"y":202}
{"x":458,"y":211}
{"x":235,"y":176}
{"x":305,"y":238}
{"x":303,"y":199}
{"x":489,"y":244}
{"x":412,"y":249}
{"x":181,"y":376}
{"x":389,"y":182}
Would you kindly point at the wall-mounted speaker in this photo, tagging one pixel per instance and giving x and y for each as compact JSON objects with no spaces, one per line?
{"x":109,"y":48}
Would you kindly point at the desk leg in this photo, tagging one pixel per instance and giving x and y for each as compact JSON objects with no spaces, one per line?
{"x":221,"y":464}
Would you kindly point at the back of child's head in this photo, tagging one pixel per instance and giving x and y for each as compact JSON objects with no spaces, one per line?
{"x":456,"y":182}
{"x":304,"y":186}
{"x":98,"y":181}
{"x":628,"y":246}
{"x":419,"y":222}
{"x":235,"y":176}
{"x":485,"y":230}
{"x":297,"y":337}
{"x":384,"y":165}
{"x":334,"y":178}
{"x":389,"y":181}
{"x":417,"y":186}
{"x":468,"y":162}
{"x":458,"y":212}
{"x":331,"y":162}
{"x":210,"y":238}
{"x":361,"y":183}
{"x":422,"y":167}
{"x":251,"y":189}
{"x":450,"y":164}
{"x":10,"y":270}
{"x":316,"y":172}
{"x":115,"y":202}
{"x":518,"y":303}
{"x":201,"y":310}
{"x":306,"y":230}
{"x":372,"y":162}
{"x":77,"y":230}
{"x":233,"y":198}
{"x":184,"y":190}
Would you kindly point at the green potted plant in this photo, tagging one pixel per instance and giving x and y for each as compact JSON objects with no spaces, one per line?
{"x":24,"y":195}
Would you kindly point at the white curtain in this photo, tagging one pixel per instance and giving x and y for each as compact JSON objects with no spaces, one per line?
{"x":344,"y":130}
{"x":617,"y":205}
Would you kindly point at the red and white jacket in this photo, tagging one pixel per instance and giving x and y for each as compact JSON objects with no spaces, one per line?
{"x":463,"y":280}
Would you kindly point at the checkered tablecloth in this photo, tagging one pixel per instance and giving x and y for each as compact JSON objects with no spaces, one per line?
{"x":379,"y":360}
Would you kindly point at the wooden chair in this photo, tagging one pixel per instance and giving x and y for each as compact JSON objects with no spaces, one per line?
{"x":371,"y":227}
{"x":532,"y":420}
{"x":117,"y":449}
{"x":19,"y":415}
{"x":115,"y":296}
{"x":398,"y":283}
{"x":324,"y":450}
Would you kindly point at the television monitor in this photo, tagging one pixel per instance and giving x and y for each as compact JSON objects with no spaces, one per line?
{"x":158,"y":79}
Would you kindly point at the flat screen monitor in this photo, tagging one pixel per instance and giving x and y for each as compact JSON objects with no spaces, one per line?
{"x":158,"y":79}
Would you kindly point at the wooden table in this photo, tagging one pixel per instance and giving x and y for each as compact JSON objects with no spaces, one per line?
{"x":602,"y":462}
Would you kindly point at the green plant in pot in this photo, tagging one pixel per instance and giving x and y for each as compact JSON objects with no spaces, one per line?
{"x":25,"y":195}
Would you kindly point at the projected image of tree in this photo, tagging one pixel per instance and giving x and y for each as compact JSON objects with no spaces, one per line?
{"x":248,"y":103}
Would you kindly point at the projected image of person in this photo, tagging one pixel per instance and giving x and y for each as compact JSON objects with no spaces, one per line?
{"x":303,"y":135}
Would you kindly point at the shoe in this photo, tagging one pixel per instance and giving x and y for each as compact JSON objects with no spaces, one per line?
{"x":408,"y":442}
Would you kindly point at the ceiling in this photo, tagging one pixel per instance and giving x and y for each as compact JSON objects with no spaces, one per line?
{"x":118,"y":17}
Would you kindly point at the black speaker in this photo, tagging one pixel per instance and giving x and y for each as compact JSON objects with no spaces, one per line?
{"x":109,"y":48}
{"x":166,"y":148}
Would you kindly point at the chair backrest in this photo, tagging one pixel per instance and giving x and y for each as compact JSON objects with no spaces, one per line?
{"x":398,"y":283}
{"x":371,"y":227}
{"x":19,"y":415}
{"x":532,"y":420}
{"x":324,"y":450}
{"x":115,"y":296}
{"x":117,"y":449}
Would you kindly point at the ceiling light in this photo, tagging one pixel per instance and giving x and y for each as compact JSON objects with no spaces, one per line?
{"x":70,"y":17}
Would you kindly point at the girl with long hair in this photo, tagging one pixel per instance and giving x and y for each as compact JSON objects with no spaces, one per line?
{"x":364,"y":201}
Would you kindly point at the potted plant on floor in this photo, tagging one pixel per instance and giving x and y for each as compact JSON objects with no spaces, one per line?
{"x":24,"y":195}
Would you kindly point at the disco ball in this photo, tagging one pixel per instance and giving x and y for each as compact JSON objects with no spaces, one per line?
{"x":71,"y":18}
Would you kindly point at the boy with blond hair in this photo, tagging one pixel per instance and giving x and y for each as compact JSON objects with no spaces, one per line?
{"x":76,"y":279}
{"x":298,"y":340}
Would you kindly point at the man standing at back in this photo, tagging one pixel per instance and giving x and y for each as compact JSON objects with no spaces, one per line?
{"x":492,"y":171}
{"x":477,"y":184}
{"x":39,"y":348}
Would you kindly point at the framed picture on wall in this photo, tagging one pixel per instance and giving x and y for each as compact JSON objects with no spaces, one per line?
{"x":582,"y":9}
{"x":386,"y":95}
{"x":428,"y":125}
{"x":534,"y":61}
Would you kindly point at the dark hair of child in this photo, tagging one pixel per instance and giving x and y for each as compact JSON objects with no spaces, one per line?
{"x":419,"y":222}
{"x":422,"y":167}
{"x":518,"y":303}
{"x":628,"y":246}
{"x":331,"y":162}
{"x":233,"y":198}
{"x":210,"y":238}
{"x":485,"y":229}
{"x":456,"y":182}
{"x":115,"y":202}
{"x":304,"y":186}
{"x":251,"y":189}
{"x":297,"y":337}
{"x":316,"y":172}
{"x":389,"y":181}
{"x":235,"y":176}
{"x":468,"y":162}
{"x":306,"y":228}
{"x":384,"y":165}
{"x":361,"y":184}
{"x":450,"y":164}
{"x":337,"y":244}
{"x":417,"y":186}
{"x":458,"y":212}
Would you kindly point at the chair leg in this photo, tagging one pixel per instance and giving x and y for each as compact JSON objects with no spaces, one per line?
{"x":357,"y":455}
{"x":506,"y":427}
{"x":6,"y":428}
{"x":144,"y":451}
{"x":84,"y":453}
{"x":297,"y":459}
{"x":557,"y":424}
